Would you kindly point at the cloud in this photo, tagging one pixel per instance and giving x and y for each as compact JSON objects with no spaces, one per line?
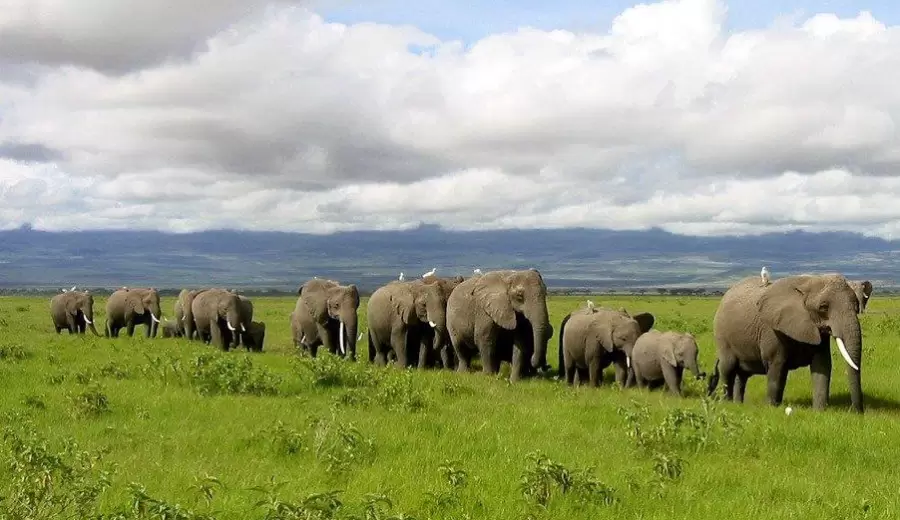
{"x":262,"y":115}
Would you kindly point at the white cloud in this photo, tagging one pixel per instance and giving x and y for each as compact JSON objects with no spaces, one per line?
{"x":260,"y":115}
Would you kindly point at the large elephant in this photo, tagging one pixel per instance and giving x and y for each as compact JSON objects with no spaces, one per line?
{"x":663,"y":356}
{"x":218,"y":317}
{"x":184,"y":315}
{"x":410,"y":320}
{"x":591,"y":338}
{"x":863,"y":290}
{"x":783,"y":326}
{"x":74,"y":311}
{"x":496,"y":311}
{"x":326,"y":314}
{"x":247,"y":314}
{"x":127,"y":307}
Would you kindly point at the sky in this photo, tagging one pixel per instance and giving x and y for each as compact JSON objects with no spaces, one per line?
{"x":702,"y":117}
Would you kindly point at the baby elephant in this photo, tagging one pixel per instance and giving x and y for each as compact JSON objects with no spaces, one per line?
{"x":170,"y":329}
{"x":659,"y":356}
{"x":254,"y":336}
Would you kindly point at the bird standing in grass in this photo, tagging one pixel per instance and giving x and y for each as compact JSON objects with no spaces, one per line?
{"x":764,"y":275}
{"x":430,"y":273}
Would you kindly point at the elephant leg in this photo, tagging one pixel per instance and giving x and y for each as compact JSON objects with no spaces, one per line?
{"x":148,"y":328}
{"x":398,"y":344}
{"x":70,"y":323}
{"x":595,"y":372}
{"x":326,"y":337}
{"x":728,"y":367}
{"x":447,"y":357}
{"x":820,"y":374}
{"x":740,"y":385}
{"x":670,"y":376}
{"x":518,"y":368}
{"x":621,"y":373}
{"x":777,"y":378}
{"x":129,"y":328}
{"x":216,"y":337}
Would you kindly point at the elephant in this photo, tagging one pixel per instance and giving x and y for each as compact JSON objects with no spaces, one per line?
{"x":591,"y":338}
{"x":247,"y":313}
{"x":409,"y":319}
{"x":326,"y":314}
{"x":218,"y":317}
{"x":255,"y":336}
{"x":184,"y":316}
{"x":74,"y":311}
{"x":784,"y":326}
{"x":170,"y":329}
{"x":500,"y":314}
{"x":663,"y":356}
{"x":127,"y":307}
{"x":863,"y":290}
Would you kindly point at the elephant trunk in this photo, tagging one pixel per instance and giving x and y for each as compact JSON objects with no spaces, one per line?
{"x":347,"y":332}
{"x":89,"y":320}
{"x":538,"y":316}
{"x":694,"y":367}
{"x":849,"y":342}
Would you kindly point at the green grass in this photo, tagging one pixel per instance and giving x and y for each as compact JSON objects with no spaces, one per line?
{"x":183,"y":431}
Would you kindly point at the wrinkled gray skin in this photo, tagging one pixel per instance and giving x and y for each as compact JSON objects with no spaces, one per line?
{"x":218,"y":317}
{"x":787,"y":325}
{"x":184,"y":316}
{"x":128,"y":307}
{"x":255,"y":336}
{"x":170,"y":329}
{"x":863,"y":290}
{"x":73,"y":311}
{"x":486,"y":313}
{"x":662,"y":357}
{"x":590,"y":339}
{"x":409,"y":319}
{"x":326,"y":315}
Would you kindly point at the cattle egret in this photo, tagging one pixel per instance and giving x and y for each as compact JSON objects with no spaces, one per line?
{"x":430,"y":273}
{"x":764,"y":275}
{"x":401,"y":277}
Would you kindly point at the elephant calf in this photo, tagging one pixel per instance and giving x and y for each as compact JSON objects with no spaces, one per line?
{"x":170,"y":329}
{"x":662,"y":356}
{"x":255,"y":336}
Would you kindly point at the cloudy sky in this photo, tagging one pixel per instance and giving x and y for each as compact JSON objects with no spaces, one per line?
{"x":699,"y":116}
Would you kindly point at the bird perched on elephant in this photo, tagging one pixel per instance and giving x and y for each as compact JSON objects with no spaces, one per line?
{"x":591,"y":338}
{"x":218,"y":317}
{"x":409,"y":318}
{"x":498,"y":308}
{"x":73,"y":311}
{"x":255,"y":336}
{"x":784,"y":326}
{"x":326,"y":315}
{"x":184,"y":316}
{"x":127,"y":307}
{"x":662,"y":356}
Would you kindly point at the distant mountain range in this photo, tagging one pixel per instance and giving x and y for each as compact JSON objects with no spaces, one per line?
{"x":569,"y":259}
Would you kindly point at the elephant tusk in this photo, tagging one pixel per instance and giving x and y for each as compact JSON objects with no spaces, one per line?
{"x":843,"y":349}
{"x":433,"y":324}
{"x":628,"y":361}
{"x":89,"y":322}
{"x":359,"y":336}
{"x":229,"y":325}
{"x":243,"y":329}
{"x":154,"y":318}
{"x":341,"y":338}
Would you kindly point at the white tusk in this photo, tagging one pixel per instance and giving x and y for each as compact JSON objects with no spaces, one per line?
{"x":359,"y":336}
{"x":628,"y":361}
{"x":303,"y":339}
{"x":243,"y":329}
{"x":229,"y":326}
{"x":89,"y":322}
{"x":153,"y":316}
{"x":433,"y":324}
{"x":843,"y":349}
{"x":341,"y":338}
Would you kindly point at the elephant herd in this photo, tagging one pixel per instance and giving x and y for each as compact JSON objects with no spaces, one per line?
{"x":760,"y":327}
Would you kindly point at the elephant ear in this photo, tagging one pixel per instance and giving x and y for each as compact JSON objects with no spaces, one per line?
{"x":136,"y":303}
{"x":603,"y":334}
{"x":667,"y":351}
{"x":404,"y":306}
{"x":492,"y":293}
{"x":782,"y":307}
{"x":645,"y":321}
{"x":72,"y":306}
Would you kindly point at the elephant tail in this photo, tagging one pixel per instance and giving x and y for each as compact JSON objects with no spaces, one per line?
{"x":561,"y":369}
{"x":714,"y":379}
{"x":370,"y":345}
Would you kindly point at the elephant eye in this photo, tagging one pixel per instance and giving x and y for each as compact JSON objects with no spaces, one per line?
{"x":823,"y":307}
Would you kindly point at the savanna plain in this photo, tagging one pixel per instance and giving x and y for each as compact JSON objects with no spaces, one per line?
{"x":137,"y":428}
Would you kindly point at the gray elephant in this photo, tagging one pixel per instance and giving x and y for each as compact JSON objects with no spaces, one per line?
{"x":863,"y":290}
{"x":73,"y":311}
{"x":784,"y":326}
{"x":247,"y":313}
{"x":591,"y":338}
{"x":255,"y":336}
{"x":326,"y":315}
{"x":184,"y":316}
{"x":500,"y":314}
{"x":170,"y":329}
{"x":409,"y":319}
{"x":662,"y":357}
{"x":218,"y":317}
{"x":127,"y":307}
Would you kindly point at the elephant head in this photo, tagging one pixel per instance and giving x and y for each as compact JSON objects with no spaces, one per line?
{"x":507,"y":295}
{"x":432,"y":294}
{"x":807,"y":308}
{"x":863,"y":291}
{"x":621,"y":330}
{"x":682,"y":351}
{"x":329,"y":300}
{"x":82,"y":302}
{"x":140,"y":301}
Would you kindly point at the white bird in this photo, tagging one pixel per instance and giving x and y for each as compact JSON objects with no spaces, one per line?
{"x":401,"y":276}
{"x":590,"y":305}
{"x":73,"y":287}
{"x":764,"y":275}
{"x":788,"y":410}
{"x":477,"y":271}
{"x":430,"y":273}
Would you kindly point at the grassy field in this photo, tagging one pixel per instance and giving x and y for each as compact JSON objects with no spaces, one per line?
{"x":164,"y":428}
